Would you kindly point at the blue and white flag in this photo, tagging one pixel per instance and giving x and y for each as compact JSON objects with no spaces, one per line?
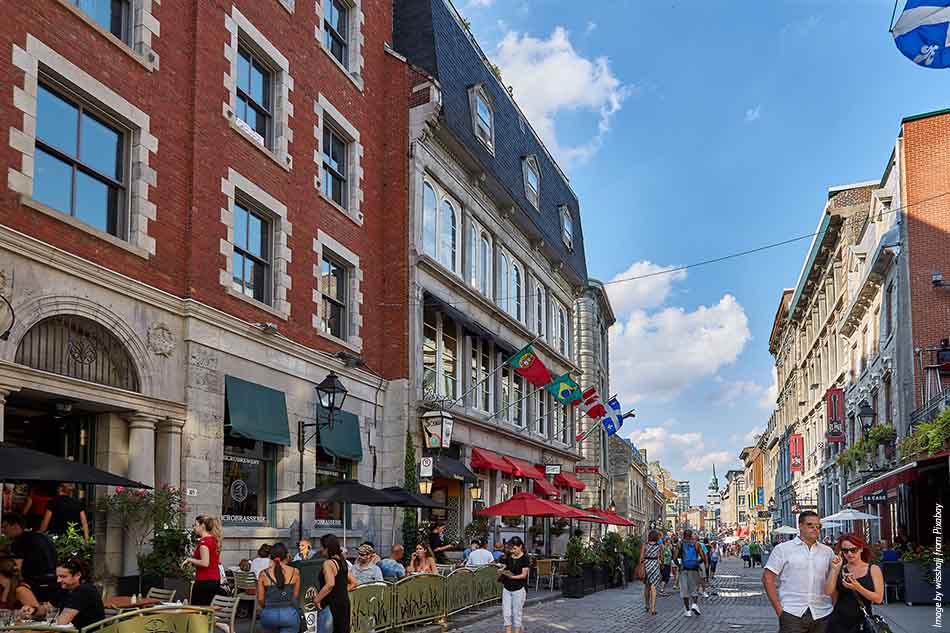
{"x":922,"y":32}
{"x":613,"y":420}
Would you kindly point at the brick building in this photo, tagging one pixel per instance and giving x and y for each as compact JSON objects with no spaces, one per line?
{"x":204,"y":216}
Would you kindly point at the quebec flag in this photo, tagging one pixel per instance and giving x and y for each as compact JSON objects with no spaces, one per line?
{"x":613,"y":419}
{"x":922,"y":32}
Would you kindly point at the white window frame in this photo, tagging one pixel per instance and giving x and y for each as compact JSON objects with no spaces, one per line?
{"x":517,"y":293}
{"x":480,"y":270}
{"x":244,"y":33}
{"x":441,"y":197}
{"x":484,"y":349}
{"x":542,"y":411}
{"x":142,"y":26}
{"x":327,"y":114}
{"x":529,"y":164}
{"x":540,"y":310}
{"x":561,"y":337}
{"x":354,"y":295}
{"x":354,"y":40}
{"x":440,"y":318}
{"x":517,"y":412}
{"x":503,"y":287}
{"x":567,"y":227}
{"x":38,"y":58}
{"x":487,"y":136}
{"x":236,"y":185}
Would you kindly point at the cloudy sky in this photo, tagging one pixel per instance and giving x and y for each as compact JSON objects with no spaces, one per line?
{"x":691,"y":130}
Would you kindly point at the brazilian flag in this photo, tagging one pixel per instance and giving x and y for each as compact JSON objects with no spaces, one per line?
{"x":565,"y":390}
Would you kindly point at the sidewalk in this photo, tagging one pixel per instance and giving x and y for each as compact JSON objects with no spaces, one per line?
{"x":915,"y":619}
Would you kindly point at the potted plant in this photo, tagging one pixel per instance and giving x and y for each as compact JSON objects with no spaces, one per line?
{"x":72,"y":543}
{"x":478,"y":528}
{"x":572,"y":583}
{"x":170,"y":545}
{"x":613,"y":558}
{"x":631,"y":555}
{"x":919,"y":574}
{"x":589,"y":567}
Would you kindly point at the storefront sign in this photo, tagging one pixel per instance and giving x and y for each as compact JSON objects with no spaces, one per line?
{"x":245,"y":490}
{"x":438,"y":428}
{"x":552,"y":469}
{"x":796,"y":452}
{"x":588,"y":470}
{"x":426,"y":467}
{"x":876,"y":497}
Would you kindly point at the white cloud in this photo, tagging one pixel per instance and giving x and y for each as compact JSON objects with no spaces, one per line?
{"x":731,"y":393}
{"x":660,"y":443}
{"x":646,"y":292}
{"x":528,"y":64}
{"x":704,"y":461}
{"x":770,"y":395}
{"x":657,"y":355}
{"x":753,"y":114}
{"x":481,"y":4}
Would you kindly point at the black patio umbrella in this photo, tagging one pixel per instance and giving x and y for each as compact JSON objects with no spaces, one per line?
{"x":408,"y":500}
{"x":24,"y":464}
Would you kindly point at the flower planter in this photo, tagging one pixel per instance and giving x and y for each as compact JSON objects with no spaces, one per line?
{"x":916,"y":588}
{"x":572,"y":586}
{"x":600,"y":577}
{"x":589,"y":578}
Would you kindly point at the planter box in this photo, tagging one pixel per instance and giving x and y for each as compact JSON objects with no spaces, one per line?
{"x":589,"y":578}
{"x":916,"y":588}
{"x":572,"y":586}
{"x":600,"y":578}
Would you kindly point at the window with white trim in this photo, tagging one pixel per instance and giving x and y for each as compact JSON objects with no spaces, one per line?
{"x":540,"y":310}
{"x":532,"y":180}
{"x":567,"y":227}
{"x":337,"y":292}
{"x":504,"y":282}
{"x":334,"y":166}
{"x":339,"y":160}
{"x":439,"y":354}
{"x":113,"y":16}
{"x":517,"y":292}
{"x":482,"y":366}
{"x":480,"y":258}
{"x":483,"y":116}
{"x":251,"y":257}
{"x":339,"y":31}
{"x":560,"y":328}
{"x":336,"y":17}
{"x":255,"y":94}
{"x":441,"y":217}
{"x":541,"y":413}
{"x":516,"y":413}
{"x":333,"y":285}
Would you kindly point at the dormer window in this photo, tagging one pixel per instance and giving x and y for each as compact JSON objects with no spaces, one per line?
{"x":483,"y":117}
{"x":567,"y":227}
{"x":532,"y":181}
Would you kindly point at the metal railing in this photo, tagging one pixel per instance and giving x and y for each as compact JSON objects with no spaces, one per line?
{"x":931,"y":409}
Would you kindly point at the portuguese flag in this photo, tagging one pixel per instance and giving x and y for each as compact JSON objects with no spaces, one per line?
{"x":527,"y":364}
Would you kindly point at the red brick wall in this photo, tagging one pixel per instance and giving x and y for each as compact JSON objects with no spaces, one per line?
{"x":926,"y":155}
{"x":196,"y":147}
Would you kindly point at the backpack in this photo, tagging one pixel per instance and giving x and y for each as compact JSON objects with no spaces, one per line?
{"x":690,"y":557}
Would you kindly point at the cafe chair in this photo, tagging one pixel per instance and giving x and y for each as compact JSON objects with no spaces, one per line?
{"x":545,"y":571}
{"x":893,"y":578}
{"x":245,"y":588}
{"x":165,"y":595}
{"x":226,"y":613}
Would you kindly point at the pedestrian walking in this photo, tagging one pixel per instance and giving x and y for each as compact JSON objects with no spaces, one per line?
{"x":674,"y":568}
{"x":666,"y":566}
{"x":853,"y":583}
{"x":338,"y":581}
{"x":746,"y":554}
{"x":650,"y":555}
{"x":691,"y":557}
{"x":206,"y":560}
{"x":801,"y":567}
{"x":513,"y":578}
{"x":713,"y":560}
{"x":755,"y":551}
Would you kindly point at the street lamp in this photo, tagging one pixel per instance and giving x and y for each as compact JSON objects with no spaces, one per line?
{"x":476,"y":491}
{"x":866,"y":415}
{"x":425,"y":486}
{"x":438,"y":428}
{"x":331,"y":393}
{"x":612,"y":508}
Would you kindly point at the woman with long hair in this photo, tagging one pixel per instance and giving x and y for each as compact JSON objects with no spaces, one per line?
{"x":205,"y":560}
{"x":650,"y":555}
{"x":853,"y":582}
{"x":422,"y":561}
{"x":338,"y":581}
{"x":514,"y":578}
{"x":278,"y":589}
{"x":81,"y":603}
{"x":15,"y":593}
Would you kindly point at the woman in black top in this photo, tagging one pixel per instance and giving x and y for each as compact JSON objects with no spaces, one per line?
{"x":513,"y":578}
{"x":62,"y":511}
{"x":81,"y":603}
{"x":852,"y":583}
{"x":338,"y":581}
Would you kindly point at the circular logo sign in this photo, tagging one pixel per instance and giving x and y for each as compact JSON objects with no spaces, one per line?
{"x":239,"y":490}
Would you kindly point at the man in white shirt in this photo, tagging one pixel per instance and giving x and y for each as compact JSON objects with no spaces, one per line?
{"x":801,"y":565}
{"x":479,"y":556}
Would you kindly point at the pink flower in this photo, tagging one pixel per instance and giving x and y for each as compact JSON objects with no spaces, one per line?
{"x":119,"y":489}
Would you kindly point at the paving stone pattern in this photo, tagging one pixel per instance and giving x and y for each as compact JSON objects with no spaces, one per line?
{"x":737,"y":604}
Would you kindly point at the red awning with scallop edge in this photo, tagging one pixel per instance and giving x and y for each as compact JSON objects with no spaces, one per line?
{"x":569,"y":480}
{"x":524,"y":469}
{"x":487,"y":460}
{"x":546,"y":488}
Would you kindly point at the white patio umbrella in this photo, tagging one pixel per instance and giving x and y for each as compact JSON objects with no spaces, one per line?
{"x":729,"y":540}
{"x":785,"y":529}
{"x":829,"y":525}
{"x":850,"y":514}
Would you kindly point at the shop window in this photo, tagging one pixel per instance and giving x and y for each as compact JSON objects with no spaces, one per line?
{"x":249,"y":481}
{"x":330,"y":470}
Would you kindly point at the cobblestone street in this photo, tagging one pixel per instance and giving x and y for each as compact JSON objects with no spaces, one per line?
{"x":737,"y":602}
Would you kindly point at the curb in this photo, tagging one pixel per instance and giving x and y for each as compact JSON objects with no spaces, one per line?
{"x":493,"y":611}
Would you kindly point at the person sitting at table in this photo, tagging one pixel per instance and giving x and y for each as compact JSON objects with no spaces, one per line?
{"x":365,"y":570}
{"x":81,"y":603}
{"x":35,"y":554}
{"x":423,"y":561}
{"x":63,"y":510}
{"x":278,"y":590}
{"x":499,"y":551}
{"x":304,"y":550}
{"x":15,"y":593}
{"x":375,"y":558}
{"x":888,"y":553}
{"x":479,"y":556}
{"x":262,"y":561}
{"x":392,"y":567}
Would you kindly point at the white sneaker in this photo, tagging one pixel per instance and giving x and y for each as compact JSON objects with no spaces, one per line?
{"x":695,"y":608}
{"x":688,"y":613}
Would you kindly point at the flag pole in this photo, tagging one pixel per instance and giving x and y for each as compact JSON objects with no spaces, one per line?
{"x":494,"y":415}
{"x":491,"y":373}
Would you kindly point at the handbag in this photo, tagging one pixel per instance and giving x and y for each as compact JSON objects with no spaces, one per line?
{"x":874,"y":623}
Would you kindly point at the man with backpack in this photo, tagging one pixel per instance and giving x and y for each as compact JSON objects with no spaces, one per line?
{"x":690,"y":556}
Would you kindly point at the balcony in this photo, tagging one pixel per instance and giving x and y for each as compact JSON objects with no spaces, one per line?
{"x":931,"y":408}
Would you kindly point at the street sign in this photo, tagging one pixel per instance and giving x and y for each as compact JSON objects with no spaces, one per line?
{"x":552,"y":469}
{"x":876,"y":497}
{"x":426,"y":467}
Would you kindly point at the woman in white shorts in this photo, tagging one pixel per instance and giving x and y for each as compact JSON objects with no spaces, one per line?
{"x":513,"y":578}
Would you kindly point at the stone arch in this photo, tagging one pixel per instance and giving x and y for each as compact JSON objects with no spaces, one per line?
{"x":33,"y":312}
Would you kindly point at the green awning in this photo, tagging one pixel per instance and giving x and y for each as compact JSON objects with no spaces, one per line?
{"x":344,"y":440}
{"x":256,"y":412}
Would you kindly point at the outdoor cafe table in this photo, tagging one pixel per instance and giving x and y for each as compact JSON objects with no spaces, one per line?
{"x":38,"y":627}
{"x":124,"y":603}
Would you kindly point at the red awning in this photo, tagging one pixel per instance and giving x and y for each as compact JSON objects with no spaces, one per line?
{"x":546,"y":488}
{"x":569,"y":480}
{"x":902,"y":475}
{"x":611,"y":517}
{"x":487,"y":460}
{"x":523,"y":468}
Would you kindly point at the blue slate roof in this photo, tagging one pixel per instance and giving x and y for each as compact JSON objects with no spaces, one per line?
{"x":430,"y":37}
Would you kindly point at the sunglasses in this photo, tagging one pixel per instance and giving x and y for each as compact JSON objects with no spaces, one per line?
{"x":849,"y":550}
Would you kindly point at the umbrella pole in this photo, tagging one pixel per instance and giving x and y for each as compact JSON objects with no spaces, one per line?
{"x":393,"y":531}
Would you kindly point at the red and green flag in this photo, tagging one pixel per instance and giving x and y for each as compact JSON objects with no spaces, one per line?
{"x":565,"y":390}
{"x":527,"y":364}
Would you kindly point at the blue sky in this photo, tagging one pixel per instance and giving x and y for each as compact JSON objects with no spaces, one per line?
{"x":692,"y":130}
